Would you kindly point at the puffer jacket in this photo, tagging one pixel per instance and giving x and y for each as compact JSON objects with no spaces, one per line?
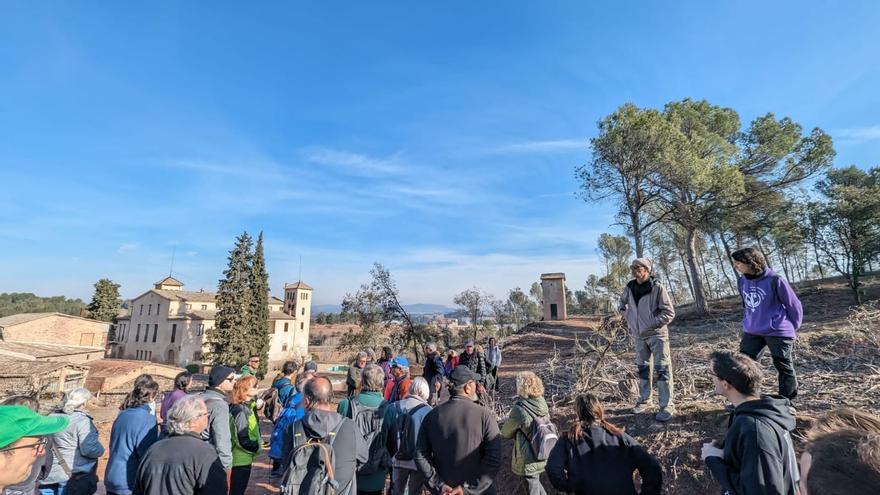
{"x":519,"y":427}
{"x":77,"y":444}
{"x":653,"y":313}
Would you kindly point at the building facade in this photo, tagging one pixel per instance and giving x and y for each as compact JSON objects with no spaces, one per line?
{"x":54,"y":328}
{"x":168,"y":325}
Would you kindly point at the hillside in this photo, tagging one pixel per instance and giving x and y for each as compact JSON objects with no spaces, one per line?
{"x":836,"y":364}
{"x":25,"y":302}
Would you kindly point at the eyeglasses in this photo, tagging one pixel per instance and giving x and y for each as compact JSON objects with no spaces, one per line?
{"x":39,"y":445}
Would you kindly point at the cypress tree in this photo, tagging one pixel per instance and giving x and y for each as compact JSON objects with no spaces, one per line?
{"x":229,"y":340}
{"x":259,"y":313}
{"x":105,"y":303}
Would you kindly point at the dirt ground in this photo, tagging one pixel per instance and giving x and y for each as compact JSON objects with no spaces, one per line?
{"x":830,"y":370}
{"x":829,"y":374}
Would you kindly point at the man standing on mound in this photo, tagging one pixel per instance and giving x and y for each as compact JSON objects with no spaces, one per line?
{"x":648,"y":310}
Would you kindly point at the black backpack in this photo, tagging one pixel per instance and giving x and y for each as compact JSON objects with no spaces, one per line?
{"x":311,"y":471}
{"x":372,"y":455}
{"x":407,"y":435}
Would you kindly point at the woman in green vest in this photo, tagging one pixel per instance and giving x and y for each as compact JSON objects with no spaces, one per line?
{"x":245,"y":428}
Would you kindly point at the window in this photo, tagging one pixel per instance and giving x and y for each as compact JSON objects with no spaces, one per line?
{"x":204,"y":306}
{"x":284,"y":347}
{"x":173,"y":332}
{"x":149,"y":309}
{"x":155,"y":331}
{"x":189,"y":306}
{"x":303,"y":311}
{"x":285,"y":326}
{"x":201,"y":328}
{"x":302,"y":326}
{"x":137,"y":336}
{"x":157,"y":308}
{"x":142,"y":310}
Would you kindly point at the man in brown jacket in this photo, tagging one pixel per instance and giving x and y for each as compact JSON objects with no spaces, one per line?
{"x":648,"y":310}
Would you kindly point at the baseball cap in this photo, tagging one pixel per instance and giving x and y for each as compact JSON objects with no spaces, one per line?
{"x":17,"y":422}
{"x":310,"y":366}
{"x":461,"y":375}
{"x":400,"y":361}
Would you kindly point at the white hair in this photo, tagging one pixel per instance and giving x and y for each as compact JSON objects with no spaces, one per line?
{"x":431,"y":346}
{"x":183,"y":413}
{"x":420,"y":388}
{"x":75,"y":399}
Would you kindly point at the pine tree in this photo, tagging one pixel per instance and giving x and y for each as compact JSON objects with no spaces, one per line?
{"x":258,"y":334}
{"x":230,"y":339}
{"x":105,"y":303}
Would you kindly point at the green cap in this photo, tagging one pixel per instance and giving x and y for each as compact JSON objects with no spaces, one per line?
{"x":17,"y":422}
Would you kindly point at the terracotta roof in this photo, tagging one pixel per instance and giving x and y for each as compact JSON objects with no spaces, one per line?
{"x":280,"y":315}
{"x":41,"y":350}
{"x":185,"y":295}
{"x":20,"y":318}
{"x":11,"y":368}
{"x":170,"y":281}
{"x":298,"y":285}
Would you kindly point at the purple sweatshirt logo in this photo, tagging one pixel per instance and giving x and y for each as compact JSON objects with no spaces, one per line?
{"x":753,"y":298}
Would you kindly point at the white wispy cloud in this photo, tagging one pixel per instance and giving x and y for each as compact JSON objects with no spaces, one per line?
{"x":355,"y":163}
{"x":545,"y":146}
{"x":128,"y":247}
{"x":855,"y":135}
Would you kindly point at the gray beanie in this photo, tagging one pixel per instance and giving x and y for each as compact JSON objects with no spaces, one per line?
{"x":645,"y":262}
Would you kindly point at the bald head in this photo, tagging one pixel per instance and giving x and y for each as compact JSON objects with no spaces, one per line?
{"x":318,"y":393}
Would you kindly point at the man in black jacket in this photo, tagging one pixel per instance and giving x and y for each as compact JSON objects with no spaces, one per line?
{"x":433,"y":371}
{"x":182,"y":464}
{"x":475,"y":360}
{"x":758,"y":456}
{"x":459,"y":446}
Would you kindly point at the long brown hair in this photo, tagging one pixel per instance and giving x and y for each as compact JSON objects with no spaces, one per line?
{"x":241,"y":388}
{"x":589,"y":412}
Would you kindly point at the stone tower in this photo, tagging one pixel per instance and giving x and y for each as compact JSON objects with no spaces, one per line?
{"x":553,"y":287}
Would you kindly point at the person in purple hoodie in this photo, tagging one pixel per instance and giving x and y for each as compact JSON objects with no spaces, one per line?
{"x":182,"y":382}
{"x":773,"y":314}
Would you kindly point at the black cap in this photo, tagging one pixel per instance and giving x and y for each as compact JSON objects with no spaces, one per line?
{"x":310,"y":366}
{"x":461,"y":375}
{"x":218,"y":374}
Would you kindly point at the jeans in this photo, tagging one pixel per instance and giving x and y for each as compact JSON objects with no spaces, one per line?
{"x":782,"y":351}
{"x":238,"y":483}
{"x":53,"y":489}
{"x":407,"y":481}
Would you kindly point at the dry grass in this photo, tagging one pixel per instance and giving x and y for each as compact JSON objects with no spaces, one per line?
{"x":837,"y":359}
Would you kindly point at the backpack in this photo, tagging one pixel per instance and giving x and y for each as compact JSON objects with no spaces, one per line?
{"x":273,"y":403}
{"x":542,"y":437}
{"x":310,"y":471}
{"x":372,"y":456}
{"x":407,"y":436}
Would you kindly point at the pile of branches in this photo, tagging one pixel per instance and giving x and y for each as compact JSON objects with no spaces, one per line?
{"x":597,"y":365}
{"x":864,"y":333}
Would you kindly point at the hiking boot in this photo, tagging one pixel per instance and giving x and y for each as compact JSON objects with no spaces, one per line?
{"x":642,"y":407}
{"x":664,"y":415}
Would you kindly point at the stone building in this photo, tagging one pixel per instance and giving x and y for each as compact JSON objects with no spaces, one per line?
{"x":553,"y":288}
{"x":54,"y":328}
{"x":37,"y":377}
{"x":168,"y":324}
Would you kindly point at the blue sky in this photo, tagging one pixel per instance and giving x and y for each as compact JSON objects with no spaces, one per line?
{"x":439,"y":138}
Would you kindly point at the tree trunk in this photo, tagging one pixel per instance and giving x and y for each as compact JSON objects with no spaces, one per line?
{"x":700,"y":302}
{"x":687,"y":273}
{"x":636,"y":225}
{"x":818,"y":262}
{"x":723,"y":264}
{"x":709,"y":288}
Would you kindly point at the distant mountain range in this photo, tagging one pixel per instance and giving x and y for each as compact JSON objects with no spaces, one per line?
{"x":414,"y":309}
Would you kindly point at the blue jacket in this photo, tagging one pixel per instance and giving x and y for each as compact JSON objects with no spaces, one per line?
{"x":133,"y":432}
{"x":280,"y":444}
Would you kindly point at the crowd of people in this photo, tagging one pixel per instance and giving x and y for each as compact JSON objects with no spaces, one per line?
{"x":401,"y":434}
